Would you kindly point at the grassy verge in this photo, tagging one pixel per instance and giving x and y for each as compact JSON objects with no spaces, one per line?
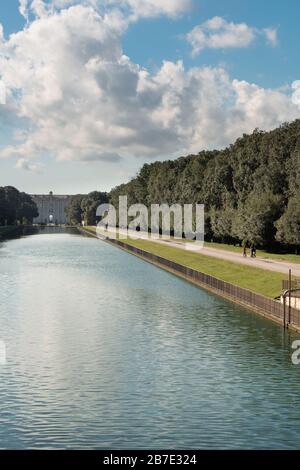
{"x":292,"y":258}
{"x":260,"y":253}
{"x":257,"y":280}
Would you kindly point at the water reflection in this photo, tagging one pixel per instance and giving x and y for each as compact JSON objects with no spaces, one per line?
{"x":106,"y":351}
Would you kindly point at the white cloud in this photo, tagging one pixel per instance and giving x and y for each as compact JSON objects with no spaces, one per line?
{"x":23,"y":7}
{"x":296,"y":93}
{"x":209,"y":110}
{"x":25,"y":165}
{"x":2,"y":93}
{"x":132,"y":9}
{"x":271,"y":36}
{"x":152,"y":8}
{"x":217,"y":33}
{"x":76,"y":96}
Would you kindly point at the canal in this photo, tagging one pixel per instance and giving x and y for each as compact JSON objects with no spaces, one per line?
{"x":105,"y":351}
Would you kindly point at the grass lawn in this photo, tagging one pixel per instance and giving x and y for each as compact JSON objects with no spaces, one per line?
{"x":257,"y":280}
{"x":260,"y":253}
{"x":292,"y":258}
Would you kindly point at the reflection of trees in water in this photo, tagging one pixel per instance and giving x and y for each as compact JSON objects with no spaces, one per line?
{"x":18,"y":232}
{"x":52,"y":229}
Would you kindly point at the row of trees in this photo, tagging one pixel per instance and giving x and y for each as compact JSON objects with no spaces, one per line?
{"x":251,"y":190}
{"x":16,"y":207}
{"x":82,"y":208}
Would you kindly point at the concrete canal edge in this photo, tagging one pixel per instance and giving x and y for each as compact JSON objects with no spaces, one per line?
{"x":263,"y":306}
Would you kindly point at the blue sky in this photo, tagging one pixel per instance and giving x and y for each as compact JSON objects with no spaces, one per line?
{"x":150,"y":41}
{"x":238,"y":82}
{"x":268,"y":67}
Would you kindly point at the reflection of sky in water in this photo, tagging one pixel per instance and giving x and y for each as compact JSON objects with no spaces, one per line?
{"x":2,"y":353}
{"x":107,"y":351}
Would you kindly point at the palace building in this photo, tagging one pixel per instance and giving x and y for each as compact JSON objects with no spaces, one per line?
{"x":51,"y":208}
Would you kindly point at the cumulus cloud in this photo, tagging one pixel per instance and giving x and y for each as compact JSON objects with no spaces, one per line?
{"x":76,"y":96}
{"x":2,"y":93}
{"x":296,"y":93}
{"x":151,"y":8}
{"x":132,"y":9}
{"x":217,"y":33}
{"x":23,"y":164}
{"x":210,"y":110}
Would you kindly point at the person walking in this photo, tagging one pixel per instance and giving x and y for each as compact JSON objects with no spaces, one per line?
{"x":245,"y":249}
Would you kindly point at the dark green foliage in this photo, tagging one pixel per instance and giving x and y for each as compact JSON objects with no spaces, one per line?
{"x":254,"y":220}
{"x":288,"y":225}
{"x":27,"y":209}
{"x":16,"y":207}
{"x":89,"y":205}
{"x":84,"y":207}
{"x":222,"y":224}
{"x":250,"y":190}
{"x":3,"y":206}
{"x":74,"y":211}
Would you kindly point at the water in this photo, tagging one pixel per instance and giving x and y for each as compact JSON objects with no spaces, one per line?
{"x":105,"y":351}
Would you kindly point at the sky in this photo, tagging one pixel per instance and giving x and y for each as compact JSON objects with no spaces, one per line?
{"x":91,"y":90}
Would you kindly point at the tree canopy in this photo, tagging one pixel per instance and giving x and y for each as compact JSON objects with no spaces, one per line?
{"x":16,"y":207}
{"x":250,"y":190}
{"x":84,"y":207}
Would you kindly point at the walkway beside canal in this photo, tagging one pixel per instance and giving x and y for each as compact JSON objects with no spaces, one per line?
{"x":267,"y":263}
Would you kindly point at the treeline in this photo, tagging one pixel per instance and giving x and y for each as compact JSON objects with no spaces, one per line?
{"x":16,"y":207}
{"x":251,"y":190}
{"x":82,"y":208}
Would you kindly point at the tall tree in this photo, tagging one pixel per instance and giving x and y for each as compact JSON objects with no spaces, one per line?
{"x":12,"y":197}
{"x":27,"y":209}
{"x":89,"y":205}
{"x":73,"y":211}
{"x":3,"y":206}
{"x":245,"y":188}
{"x":288,"y":226}
{"x":255,"y":219}
{"x":16,"y":207}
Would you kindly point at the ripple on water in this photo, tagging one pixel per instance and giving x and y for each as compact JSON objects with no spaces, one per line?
{"x":107,"y":351}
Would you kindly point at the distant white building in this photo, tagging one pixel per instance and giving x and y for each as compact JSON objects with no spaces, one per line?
{"x":51,"y":208}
